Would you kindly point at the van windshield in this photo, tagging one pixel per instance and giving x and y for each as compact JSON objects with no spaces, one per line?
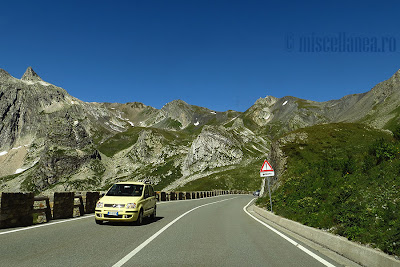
{"x":125,"y":190}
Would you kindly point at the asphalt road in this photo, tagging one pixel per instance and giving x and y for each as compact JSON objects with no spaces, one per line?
{"x":206,"y":232}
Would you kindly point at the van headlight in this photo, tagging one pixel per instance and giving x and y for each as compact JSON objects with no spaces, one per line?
{"x":99,"y":205}
{"x":131,"y":206}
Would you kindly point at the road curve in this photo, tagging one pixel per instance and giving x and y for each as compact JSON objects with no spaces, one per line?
{"x":206,"y":232}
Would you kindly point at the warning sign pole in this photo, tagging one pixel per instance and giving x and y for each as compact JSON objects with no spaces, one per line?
{"x":267,"y":171}
{"x":269,"y":191}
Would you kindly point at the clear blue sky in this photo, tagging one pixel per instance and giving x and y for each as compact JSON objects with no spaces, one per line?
{"x":217,"y":54}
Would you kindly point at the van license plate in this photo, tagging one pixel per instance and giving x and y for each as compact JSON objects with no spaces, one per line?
{"x":114,"y":213}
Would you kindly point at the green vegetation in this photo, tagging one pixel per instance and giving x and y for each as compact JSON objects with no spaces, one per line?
{"x":304,"y":104}
{"x":28,"y":185}
{"x":124,"y":140}
{"x":249,"y":123}
{"x":168,"y":172}
{"x":344,"y":178}
{"x":120,"y":141}
{"x":85,"y":184}
{"x":174,"y":124}
{"x":97,"y":167}
{"x":8,"y":178}
{"x":394,"y":122}
{"x":192,"y":130}
{"x":244,"y":177}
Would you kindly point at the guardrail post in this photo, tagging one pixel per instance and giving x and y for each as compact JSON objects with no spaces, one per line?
{"x":164,"y":196}
{"x":91,"y":200}
{"x":16,"y":209}
{"x":172,"y":196}
{"x":158,"y":196}
{"x":80,"y":205}
{"x":188,"y":195}
{"x":63,"y":205}
{"x":46,"y":210}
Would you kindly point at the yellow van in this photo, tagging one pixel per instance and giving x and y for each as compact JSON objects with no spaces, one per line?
{"x":127,"y":202}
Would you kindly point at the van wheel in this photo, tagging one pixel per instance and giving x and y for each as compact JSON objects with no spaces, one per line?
{"x":139,"y":220}
{"x":99,"y":222}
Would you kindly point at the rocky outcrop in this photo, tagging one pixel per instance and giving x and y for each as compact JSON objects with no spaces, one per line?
{"x":55,"y":130}
{"x":149,"y":148}
{"x":30,"y":75}
{"x":277,"y":157}
{"x":214,"y":147}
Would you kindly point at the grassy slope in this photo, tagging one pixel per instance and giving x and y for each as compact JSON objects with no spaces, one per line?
{"x":242,"y":177}
{"x":345,"y":180}
{"x":128,"y":138}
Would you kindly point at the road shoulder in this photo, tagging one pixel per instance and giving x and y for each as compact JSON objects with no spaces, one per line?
{"x":317,"y":247}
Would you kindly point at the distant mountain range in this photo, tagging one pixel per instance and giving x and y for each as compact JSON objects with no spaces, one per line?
{"x":50,"y":140}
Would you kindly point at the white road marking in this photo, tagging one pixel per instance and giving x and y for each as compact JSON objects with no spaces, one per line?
{"x":312,"y":254}
{"x":145,"y":243}
{"x":78,"y":218}
{"x":43,"y":225}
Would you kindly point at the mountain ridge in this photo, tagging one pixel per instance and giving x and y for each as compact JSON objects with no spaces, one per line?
{"x":50,"y":140}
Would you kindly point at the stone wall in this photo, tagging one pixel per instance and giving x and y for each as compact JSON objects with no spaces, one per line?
{"x":16,"y":209}
{"x":91,"y":200}
{"x":63,"y":205}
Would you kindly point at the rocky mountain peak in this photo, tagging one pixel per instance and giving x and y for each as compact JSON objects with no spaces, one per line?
{"x":4,"y":74}
{"x":396,"y":77}
{"x":31,"y":75}
{"x":267,"y":101}
{"x":176,"y":104}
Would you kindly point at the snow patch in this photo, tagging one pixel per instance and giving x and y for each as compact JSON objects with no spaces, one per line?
{"x":76,"y":123}
{"x":231,"y":120}
{"x":3,"y":153}
{"x":284,"y":103}
{"x":72,"y":102}
{"x":212,"y":112}
{"x":19,"y":170}
{"x":15,"y":148}
{"x":44,"y":83}
{"x":131,"y":123}
{"x":196,"y":123}
{"x":28,"y":82}
{"x":253,"y":146}
{"x":114,"y":126}
{"x":112,"y":108}
{"x":269,"y":115}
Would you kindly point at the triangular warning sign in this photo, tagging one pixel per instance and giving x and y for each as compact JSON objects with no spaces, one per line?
{"x":266,"y":167}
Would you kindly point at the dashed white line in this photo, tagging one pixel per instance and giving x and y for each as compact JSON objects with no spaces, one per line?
{"x":312,"y":254}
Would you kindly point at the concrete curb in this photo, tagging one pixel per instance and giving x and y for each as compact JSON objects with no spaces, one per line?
{"x":353,"y":251}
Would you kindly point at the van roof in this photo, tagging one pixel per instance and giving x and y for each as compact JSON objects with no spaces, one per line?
{"x":132,"y":182}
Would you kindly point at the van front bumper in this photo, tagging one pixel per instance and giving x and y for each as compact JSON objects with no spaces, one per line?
{"x":116,"y":215}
